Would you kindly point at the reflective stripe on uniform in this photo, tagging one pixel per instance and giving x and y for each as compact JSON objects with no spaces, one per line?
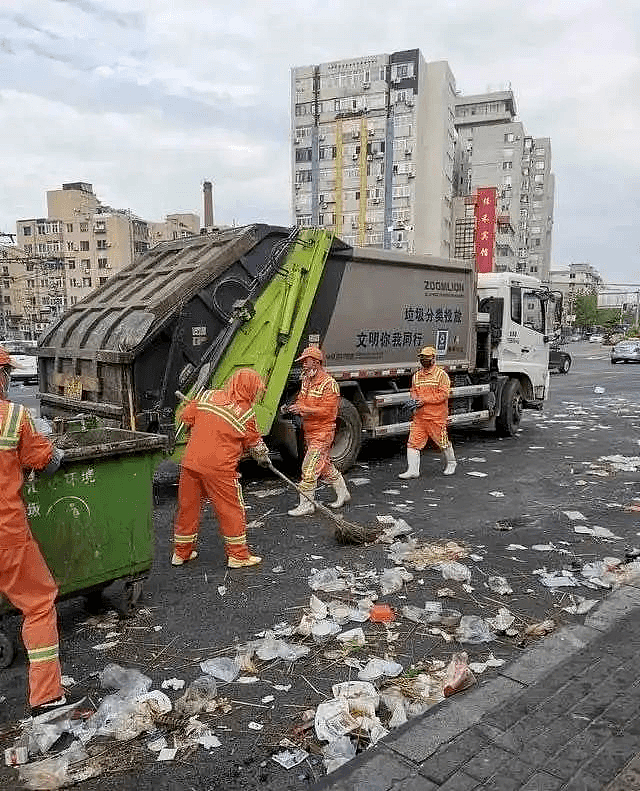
{"x":47,"y":654}
{"x":179,"y":539}
{"x":240,"y":540}
{"x":10,"y":431}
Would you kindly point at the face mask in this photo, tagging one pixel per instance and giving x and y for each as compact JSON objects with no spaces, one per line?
{"x":309,"y":373}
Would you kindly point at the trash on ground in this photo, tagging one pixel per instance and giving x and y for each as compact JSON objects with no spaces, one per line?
{"x":473,"y":629}
{"x":491,"y":661}
{"x":393,"y":580}
{"x":381,"y":613}
{"x":574,"y":516}
{"x":497,"y":494}
{"x":222,"y":668}
{"x":173,"y":683}
{"x":442,"y":592}
{"x":352,"y":637}
{"x":128,"y":681}
{"x":596,"y":531}
{"x":290,"y":758}
{"x":377,"y":668}
{"x":579,"y":605}
{"x":321,"y":631}
{"x":454,"y":571}
{"x":476,"y":474}
{"x":57,"y":771}
{"x":255,"y":726}
{"x":499,"y":585}
{"x":502,"y":622}
{"x":458,"y":675}
{"x":338,"y":752}
{"x":557,"y":579}
{"x":200,"y":696}
{"x":333,"y":719}
{"x":540,"y":629}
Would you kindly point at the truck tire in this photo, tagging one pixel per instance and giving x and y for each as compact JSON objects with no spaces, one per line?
{"x":508,"y":421}
{"x":348,"y":440}
{"x":565,"y":365}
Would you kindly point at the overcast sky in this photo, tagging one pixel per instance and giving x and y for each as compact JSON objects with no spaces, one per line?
{"x":146,"y":99}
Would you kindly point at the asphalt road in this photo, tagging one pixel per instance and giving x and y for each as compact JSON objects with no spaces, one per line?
{"x":530,"y":484}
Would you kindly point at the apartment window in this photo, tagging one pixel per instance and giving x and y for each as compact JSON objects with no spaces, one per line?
{"x":303,"y":176}
{"x":101,"y":244}
{"x":69,"y":227}
{"x":70,"y":247}
{"x":84,"y":227}
{"x":539,"y":178}
{"x":7,"y":283}
{"x":86,"y":281}
{"x":71,"y":263}
{"x":30,"y":283}
{"x":26,"y":230}
{"x":102,"y":280}
{"x":7,"y":300}
{"x":42,"y":247}
{"x":506,"y":180}
{"x":509,"y":137}
{"x":84,"y":244}
{"x":28,"y":248}
{"x":303,"y":155}
{"x":102,"y":263}
{"x":5,"y":270}
{"x":507,"y":165}
{"x":73,"y":282}
{"x":540,"y":165}
{"x":85,"y":263}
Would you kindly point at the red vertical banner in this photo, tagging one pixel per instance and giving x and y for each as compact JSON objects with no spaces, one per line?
{"x":485,"y":228}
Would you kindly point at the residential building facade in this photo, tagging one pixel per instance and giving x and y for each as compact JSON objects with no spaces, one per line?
{"x":493,"y":150}
{"x":373,"y":146}
{"x":74,"y":249}
{"x":572,"y":280}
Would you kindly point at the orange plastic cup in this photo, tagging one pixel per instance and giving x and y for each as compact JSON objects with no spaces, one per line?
{"x":381,"y":613}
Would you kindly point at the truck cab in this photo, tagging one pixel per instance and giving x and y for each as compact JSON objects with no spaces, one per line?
{"x":521,"y":313}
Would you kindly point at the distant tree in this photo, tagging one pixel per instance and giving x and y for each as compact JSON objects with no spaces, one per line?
{"x":586,"y":310}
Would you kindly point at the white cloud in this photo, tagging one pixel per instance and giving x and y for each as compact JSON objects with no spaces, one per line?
{"x":147,"y":98}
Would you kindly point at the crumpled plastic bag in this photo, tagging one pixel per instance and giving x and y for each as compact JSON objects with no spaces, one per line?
{"x":458,"y":675}
{"x":330,"y":580}
{"x":222,"y":668}
{"x":473,"y":629}
{"x":126,"y":718}
{"x":56,"y":772}
{"x":338,"y":752}
{"x":500,"y":585}
{"x":333,"y":719}
{"x":270,"y":647}
{"x":128,"y":681}
{"x":451,"y":570}
{"x":198,"y":696}
{"x":376,"y":668}
{"x":392,"y":580}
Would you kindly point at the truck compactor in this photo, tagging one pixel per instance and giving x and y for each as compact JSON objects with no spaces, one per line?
{"x":189,"y":312}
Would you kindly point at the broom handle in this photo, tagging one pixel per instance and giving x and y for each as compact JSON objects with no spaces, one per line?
{"x":302,"y":493}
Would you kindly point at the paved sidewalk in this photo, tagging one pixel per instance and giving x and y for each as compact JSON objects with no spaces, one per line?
{"x":564,"y":717}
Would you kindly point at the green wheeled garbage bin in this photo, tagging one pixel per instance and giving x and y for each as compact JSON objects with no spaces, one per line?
{"x":93,"y":519}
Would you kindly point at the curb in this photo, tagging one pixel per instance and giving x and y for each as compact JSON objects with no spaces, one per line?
{"x":394,"y":761}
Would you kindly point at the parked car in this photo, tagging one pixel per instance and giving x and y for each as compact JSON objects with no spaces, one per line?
{"x":559,"y":360}
{"x":26,"y":370}
{"x":626,"y":351}
{"x":596,"y":338}
{"x":576,"y":337}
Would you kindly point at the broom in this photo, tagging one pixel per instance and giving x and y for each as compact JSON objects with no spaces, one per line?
{"x":345,"y":532}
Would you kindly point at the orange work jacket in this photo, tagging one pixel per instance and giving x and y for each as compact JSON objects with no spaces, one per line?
{"x":432,"y":387}
{"x":221,"y":431}
{"x":20,"y":447}
{"x":319,"y":399}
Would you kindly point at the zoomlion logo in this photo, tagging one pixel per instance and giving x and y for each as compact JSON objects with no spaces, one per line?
{"x":446,"y":286}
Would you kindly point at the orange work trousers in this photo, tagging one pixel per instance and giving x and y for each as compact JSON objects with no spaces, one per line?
{"x":225,"y":495}
{"x":317,"y":464}
{"x":27,"y":582}
{"x":422,"y":429}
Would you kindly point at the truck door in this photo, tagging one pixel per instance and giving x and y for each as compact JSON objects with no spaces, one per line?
{"x":524,"y":348}
{"x":533,"y":339}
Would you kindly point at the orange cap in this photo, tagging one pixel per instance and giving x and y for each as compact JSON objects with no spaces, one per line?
{"x":427,"y":351}
{"x":313,"y":352}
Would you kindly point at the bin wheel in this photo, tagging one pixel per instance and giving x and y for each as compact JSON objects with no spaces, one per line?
{"x":133,"y":592}
{"x":6,"y":650}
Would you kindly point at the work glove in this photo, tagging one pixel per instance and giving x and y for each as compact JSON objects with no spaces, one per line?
{"x":54,"y":463}
{"x":261,"y":454}
{"x":409,"y":407}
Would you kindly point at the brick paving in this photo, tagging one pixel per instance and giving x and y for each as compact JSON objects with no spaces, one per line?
{"x":564,"y":717}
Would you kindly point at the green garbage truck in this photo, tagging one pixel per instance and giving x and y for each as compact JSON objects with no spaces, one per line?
{"x":189,"y":312}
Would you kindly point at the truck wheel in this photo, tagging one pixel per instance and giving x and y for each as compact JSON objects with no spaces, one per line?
{"x":348,"y":440}
{"x":508,"y":421}
{"x":6,"y":650}
{"x":565,"y":365}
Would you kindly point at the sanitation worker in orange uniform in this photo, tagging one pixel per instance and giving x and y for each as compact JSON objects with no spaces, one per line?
{"x":223,"y":426}
{"x":430,"y":388}
{"x":317,"y":404}
{"x":24,"y":577}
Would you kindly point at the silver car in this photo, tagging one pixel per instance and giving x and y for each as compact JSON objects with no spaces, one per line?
{"x":626,"y":351}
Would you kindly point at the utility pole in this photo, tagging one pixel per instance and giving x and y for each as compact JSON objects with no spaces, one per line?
{"x":637,"y":306}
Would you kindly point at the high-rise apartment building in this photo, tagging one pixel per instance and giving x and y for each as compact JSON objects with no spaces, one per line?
{"x":493,"y":150}
{"x":76,"y":248}
{"x":373,"y":146}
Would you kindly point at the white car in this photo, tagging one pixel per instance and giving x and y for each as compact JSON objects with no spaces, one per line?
{"x":26,"y":370}
{"x":596,"y":338}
